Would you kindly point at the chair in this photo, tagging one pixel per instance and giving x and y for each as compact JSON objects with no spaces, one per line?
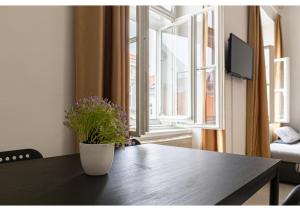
{"x":294,"y":197}
{"x":129,"y":143}
{"x":132,"y":142}
{"x":19,"y":155}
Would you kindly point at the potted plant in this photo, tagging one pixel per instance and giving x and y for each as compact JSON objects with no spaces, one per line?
{"x":99,"y":126}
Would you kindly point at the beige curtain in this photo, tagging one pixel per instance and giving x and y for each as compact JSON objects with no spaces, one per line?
{"x":277,"y":77}
{"x":278,"y":38}
{"x":102,"y":53}
{"x":257,"y":126}
{"x":213,"y":140}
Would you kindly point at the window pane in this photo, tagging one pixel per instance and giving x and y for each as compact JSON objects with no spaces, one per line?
{"x":206,"y":100}
{"x":205,"y":39}
{"x":132,"y":56}
{"x":156,"y":22}
{"x":175,"y":71}
{"x":267,"y":64}
{"x":210,"y":46}
{"x":279,"y":75}
{"x":210,"y":97}
{"x":267,"y":55}
{"x":152,"y":74}
{"x":200,"y":41}
{"x":132,"y":22}
{"x":183,"y":93}
{"x":167,"y":51}
{"x":279,"y":106}
{"x":281,"y":84}
{"x":206,"y":68}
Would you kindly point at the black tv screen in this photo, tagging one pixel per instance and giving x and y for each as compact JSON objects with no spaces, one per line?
{"x":240,"y":58}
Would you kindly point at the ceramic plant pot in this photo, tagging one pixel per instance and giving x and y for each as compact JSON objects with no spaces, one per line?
{"x":96,"y":159}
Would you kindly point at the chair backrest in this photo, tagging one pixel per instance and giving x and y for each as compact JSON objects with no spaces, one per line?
{"x":19,"y":155}
{"x":294,"y":197}
{"x":132,"y":142}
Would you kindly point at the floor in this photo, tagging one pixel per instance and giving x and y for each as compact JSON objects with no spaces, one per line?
{"x":262,"y":196}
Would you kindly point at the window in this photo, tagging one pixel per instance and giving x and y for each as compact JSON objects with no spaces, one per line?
{"x":277,"y":84}
{"x":175,"y":71}
{"x":177,"y":50}
{"x":206,"y":66}
{"x":281,"y":90}
{"x":133,"y":79}
{"x":269,"y":64}
{"x":277,"y":75}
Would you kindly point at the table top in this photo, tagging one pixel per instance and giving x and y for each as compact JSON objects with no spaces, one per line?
{"x":148,"y":174}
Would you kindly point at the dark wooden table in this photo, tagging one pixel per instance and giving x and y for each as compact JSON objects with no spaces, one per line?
{"x":141,"y":175}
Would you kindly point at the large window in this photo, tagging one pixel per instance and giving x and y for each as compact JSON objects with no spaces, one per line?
{"x":278,"y":86}
{"x":277,"y":75}
{"x":177,"y":50}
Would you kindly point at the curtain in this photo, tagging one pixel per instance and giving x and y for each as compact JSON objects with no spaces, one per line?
{"x":213,"y":140}
{"x":102,"y":53}
{"x":278,"y":38}
{"x":257,"y":125}
{"x":277,"y":77}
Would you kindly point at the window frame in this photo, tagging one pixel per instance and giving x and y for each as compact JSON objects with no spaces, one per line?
{"x":273,"y":116}
{"x":285,"y":90}
{"x":164,"y":12}
{"x":271,"y":63}
{"x":219,"y":68}
{"x":181,"y":118}
{"x":133,"y":130}
{"x":142,"y":75}
{"x":142,"y":46}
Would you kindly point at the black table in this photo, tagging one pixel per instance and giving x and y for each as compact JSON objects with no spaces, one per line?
{"x":141,"y":175}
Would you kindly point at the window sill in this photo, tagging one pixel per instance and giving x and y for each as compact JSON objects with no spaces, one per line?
{"x":166,"y":134}
{"x":170,"y":140}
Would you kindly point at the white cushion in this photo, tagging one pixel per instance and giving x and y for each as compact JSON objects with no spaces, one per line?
{"x":287,"y":134}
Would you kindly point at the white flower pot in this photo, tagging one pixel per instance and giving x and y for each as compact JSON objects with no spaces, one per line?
{"x":96,"y":159}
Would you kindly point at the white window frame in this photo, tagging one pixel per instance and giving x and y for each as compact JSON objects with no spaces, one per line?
{"x":273,"y":116}
{"x":285,"y":90}
{"x":271,"y":63}
{"x":219,"y":66}
{"x":133,"y":129}
{"x":142,"y":75}
{"x":164,"y":12}
{"x":175,"y":117}
{"x":142,"y":119}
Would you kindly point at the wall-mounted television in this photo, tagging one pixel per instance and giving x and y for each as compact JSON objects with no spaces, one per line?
{"x":239,"y":58}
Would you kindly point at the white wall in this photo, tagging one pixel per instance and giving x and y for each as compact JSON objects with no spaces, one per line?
{"x":36,"y":78}
{"x":290,"y":16}
{"x":235,"y":21}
